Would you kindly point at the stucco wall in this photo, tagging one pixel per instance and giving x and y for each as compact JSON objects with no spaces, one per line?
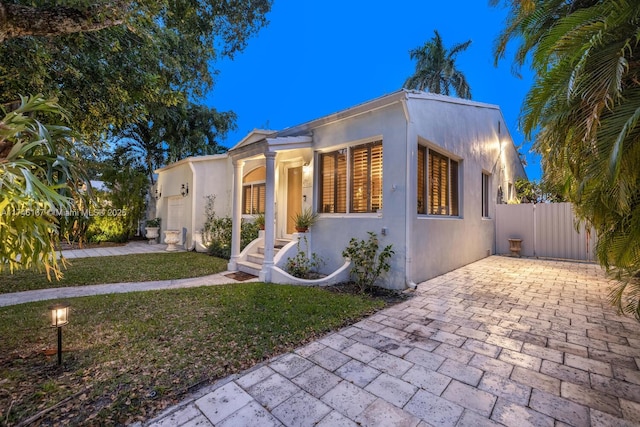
{"x":474,"y":135}
{"x":213,"y":178}
{"x":209,"y":176}
{"x":169,"y":183}
{"x":332,"y":232}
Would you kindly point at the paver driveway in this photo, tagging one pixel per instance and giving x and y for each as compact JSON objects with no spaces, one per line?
{"x":502,"y":341}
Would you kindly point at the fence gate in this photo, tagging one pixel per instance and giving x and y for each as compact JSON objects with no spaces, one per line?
{"x":547,"y":230}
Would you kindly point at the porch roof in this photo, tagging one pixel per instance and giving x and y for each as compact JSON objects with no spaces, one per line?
{"x":251,"y":146}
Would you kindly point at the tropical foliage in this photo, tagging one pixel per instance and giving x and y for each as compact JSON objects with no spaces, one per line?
{"x":436,"y":69}
{"x":536,"y":192}
{"x":583,"y":112}
{"x":36,"y":167}
{"x":110,"y":63}
{"x":172,"y":133}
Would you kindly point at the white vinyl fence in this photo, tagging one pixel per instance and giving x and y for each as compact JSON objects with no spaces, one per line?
{"x":547,"y":230}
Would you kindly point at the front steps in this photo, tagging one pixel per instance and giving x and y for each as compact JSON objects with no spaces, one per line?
{"x":253,"y":263}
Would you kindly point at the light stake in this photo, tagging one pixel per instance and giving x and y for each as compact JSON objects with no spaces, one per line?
{"x":59,"y":318}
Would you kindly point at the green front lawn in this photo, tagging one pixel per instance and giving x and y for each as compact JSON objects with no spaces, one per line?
{"x":116,"y":269}
{"x":131,"y":355}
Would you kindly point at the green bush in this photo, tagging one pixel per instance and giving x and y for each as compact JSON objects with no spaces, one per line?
{"x":217,"y":231}
{"x":368,"y":264}
{"x":303,"y":266}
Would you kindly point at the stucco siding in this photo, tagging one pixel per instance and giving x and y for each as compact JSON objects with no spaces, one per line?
{"x":169,"y":183}
{"x":204,"y":176}
{"x":332,"y":232}
{"x":477,"y":138}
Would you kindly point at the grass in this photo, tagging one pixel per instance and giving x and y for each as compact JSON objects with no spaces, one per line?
{"x":116,"y":269}
{"x":131,"y":355}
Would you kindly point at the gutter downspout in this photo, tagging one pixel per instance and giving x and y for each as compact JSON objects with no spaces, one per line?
{"x":192,"y":246}
{"x":407,"y":218}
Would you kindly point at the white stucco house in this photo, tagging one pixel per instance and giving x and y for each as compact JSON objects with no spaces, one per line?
{"x":423,"y":171}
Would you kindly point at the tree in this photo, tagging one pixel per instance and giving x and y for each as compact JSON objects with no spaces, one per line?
{"x":537,"y":192}
{"x":34,"y":174}
{"x":583,"y":111}
{"x":176,"y":132}
{"x":194,"y":130}
{"x":110,"y":62}
{"x":436,"y":69}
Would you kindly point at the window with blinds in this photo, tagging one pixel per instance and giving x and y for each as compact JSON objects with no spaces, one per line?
{"x":437,"y":183}
{"x":364,"y":178}
{"x":366,"y":182}
{"x":254,"y":191}
{"x":253,"y":199}
{"x":333,"y":182}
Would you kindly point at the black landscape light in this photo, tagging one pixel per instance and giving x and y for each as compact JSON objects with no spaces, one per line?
{"x":59,"y":318}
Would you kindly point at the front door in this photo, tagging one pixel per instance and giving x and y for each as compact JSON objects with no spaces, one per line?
{"x":294,"y":196}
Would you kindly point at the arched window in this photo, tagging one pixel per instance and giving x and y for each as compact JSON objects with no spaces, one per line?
{"x":253,"y":191}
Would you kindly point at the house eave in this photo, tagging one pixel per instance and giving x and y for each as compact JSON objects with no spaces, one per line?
{"x":271,"y":145}
{"x":192,"y":159}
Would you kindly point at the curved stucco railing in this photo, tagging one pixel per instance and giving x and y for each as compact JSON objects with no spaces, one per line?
{"x":341,"y":275}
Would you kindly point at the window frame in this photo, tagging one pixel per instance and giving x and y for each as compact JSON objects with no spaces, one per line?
{"x":424,"y":190}
{"x":486,"y":192}
{"x":260,"y":186}
{"x":348,"y":202}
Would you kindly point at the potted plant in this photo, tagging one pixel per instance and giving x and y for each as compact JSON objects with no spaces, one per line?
{"x":259,"y":221}
{"x":304,"y":220}
{"x":151,"y":227}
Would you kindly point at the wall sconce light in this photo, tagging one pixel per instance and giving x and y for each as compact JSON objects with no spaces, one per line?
{"x":59,"y":318}
{"x":158,"y":193}
{"x":184,"y":190}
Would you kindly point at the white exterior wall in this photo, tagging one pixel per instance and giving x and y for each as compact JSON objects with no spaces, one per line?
{"x":169,"y":184}
{"x":205,"y":176}
{"x":213,"y":177}
{"x":332,"y":232}
{"x":471,"y":134}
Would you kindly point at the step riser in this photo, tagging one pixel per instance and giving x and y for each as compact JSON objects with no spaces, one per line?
{"x":253,"y":269}
{"x":255,"y":258}
{"x":261,"y":250}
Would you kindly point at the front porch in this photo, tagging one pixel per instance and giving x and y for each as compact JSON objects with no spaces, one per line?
{"x":272,"y":176}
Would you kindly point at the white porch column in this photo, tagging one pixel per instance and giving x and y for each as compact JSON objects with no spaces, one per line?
{"x":236,"y":215}
{"x":269,"y":217}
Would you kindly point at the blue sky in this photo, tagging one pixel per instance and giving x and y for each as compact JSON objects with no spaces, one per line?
{"x":315,"y":58}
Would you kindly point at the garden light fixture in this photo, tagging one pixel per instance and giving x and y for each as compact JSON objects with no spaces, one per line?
{"x":184,"y":190}
{"x":59,"y":318}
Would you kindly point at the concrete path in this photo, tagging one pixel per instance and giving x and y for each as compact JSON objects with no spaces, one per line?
{"x":135,"y":247}
{"x":503,"y":341}
{"x":113,"y":288}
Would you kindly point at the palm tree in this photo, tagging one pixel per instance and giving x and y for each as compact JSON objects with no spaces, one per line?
{"x":436,"y":69}
{"x":584,"y":111}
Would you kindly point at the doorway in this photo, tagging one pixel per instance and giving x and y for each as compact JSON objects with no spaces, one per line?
{"x":294,"y":196}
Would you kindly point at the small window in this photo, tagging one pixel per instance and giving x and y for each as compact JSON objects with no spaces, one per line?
{"x":437,"y":183}
{"x":485,"y":195}
{"x":254,"y":191}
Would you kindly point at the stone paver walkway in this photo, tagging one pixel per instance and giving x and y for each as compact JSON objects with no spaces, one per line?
{"x":503,"y":341}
